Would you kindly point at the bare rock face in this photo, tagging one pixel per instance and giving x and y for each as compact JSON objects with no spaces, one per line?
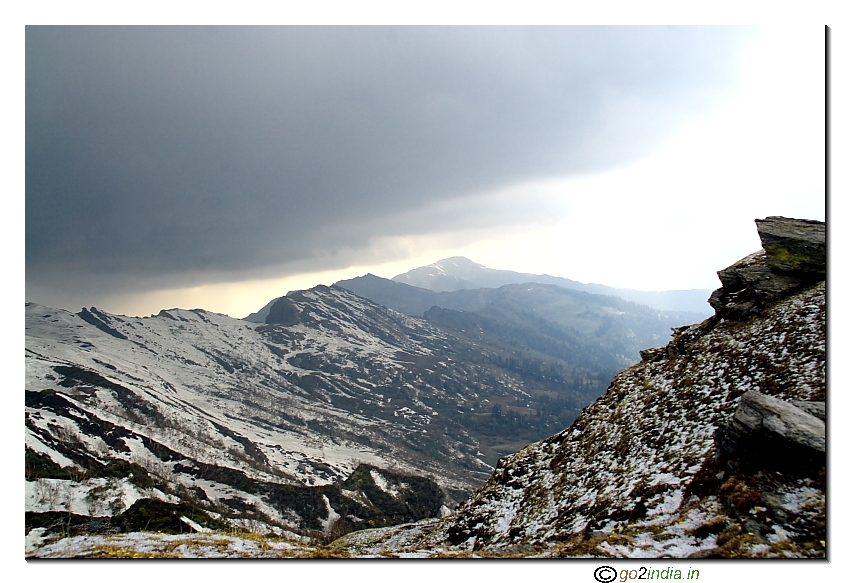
{"x":816,"y":408}
{"x":766,"y":431}
{"x":284,"y":312}
{"x":793,"y":257}
{"x":794,"y":245}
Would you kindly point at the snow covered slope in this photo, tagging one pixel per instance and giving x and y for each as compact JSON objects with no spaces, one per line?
{"x":631,"y":459}
{"x":261,"y":424}
{"x":712,"y":446}
{"x":223,"y":391}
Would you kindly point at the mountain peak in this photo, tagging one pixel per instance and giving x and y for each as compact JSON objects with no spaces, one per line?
{"x":450,"y":274}
{"x":458,"y":262}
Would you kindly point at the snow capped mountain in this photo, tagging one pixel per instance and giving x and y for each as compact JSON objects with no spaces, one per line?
{"x":194,"y":371}
{"x":240,"y":412}
{"x":256,"y":421}
{"x":451,"y":274}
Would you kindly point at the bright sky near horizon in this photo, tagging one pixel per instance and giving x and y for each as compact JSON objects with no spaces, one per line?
{"x":664,"y":214}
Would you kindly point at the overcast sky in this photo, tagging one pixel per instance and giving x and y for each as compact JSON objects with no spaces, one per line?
{"x":221,"y":167}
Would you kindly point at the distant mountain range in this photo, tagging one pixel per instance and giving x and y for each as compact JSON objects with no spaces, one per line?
{"x":459,"y":273}
{"x":421,"y":288}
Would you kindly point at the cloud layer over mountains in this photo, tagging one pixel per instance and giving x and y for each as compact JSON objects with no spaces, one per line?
{"x":186,"y":155}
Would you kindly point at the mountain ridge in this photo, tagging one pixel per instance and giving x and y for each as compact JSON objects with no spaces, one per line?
{"x":458,"y":273}
{"x":260,"y":425}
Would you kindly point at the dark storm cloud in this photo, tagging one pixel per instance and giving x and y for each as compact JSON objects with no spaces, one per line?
{"x":162,"y":152}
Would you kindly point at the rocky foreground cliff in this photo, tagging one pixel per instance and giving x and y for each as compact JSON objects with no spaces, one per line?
{"x":713,"y":446}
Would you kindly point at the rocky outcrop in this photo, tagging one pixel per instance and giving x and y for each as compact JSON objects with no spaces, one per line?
{"x":794,"y":246}
{"x":769,"y":432}
{"x":748,"y":285}
{"x":283,"y":312}
{"x":793,"y":257}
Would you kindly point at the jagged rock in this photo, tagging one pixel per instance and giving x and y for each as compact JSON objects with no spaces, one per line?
{"x":794,"y":245}
{"x":605,"y":468}
{"x":748,"y":285}
{"x":794,"y":256}
{"x":770,"y":432}
{"x":653,"y":354}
